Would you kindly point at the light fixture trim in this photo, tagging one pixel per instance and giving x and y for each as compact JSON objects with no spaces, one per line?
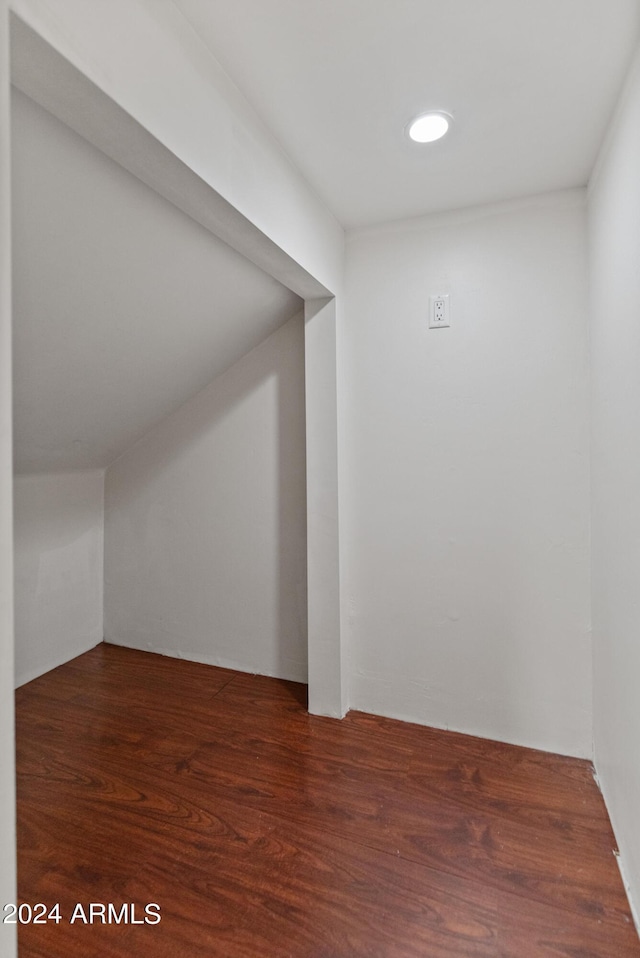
{"x":429,"y":127}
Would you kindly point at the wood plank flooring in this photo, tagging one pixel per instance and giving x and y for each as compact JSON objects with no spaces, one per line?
{"x":264,"y":832}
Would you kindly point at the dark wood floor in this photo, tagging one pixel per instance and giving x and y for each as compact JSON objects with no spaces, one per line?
{"x":263,"y":832}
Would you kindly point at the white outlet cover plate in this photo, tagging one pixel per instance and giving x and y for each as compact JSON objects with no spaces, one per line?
{"x":439,"y":311}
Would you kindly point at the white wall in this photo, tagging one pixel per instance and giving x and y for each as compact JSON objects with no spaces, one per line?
{"x":8,"y":944}
{"x":466,"y":501}
{"x":205,"y":522}
{"x":59,"y":547}
{"x":328,"y":678}
{"x":614,"y":234}
{"x":154,"y":305}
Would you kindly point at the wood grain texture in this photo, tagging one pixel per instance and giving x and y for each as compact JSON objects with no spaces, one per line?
{"x":264,"y":831}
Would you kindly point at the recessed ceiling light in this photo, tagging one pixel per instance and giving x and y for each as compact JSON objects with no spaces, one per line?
{"x":428,"y":127}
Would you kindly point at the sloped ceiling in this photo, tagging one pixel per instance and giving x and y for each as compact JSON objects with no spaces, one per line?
{"x":123,"y":306}
{"x":531,"y":85}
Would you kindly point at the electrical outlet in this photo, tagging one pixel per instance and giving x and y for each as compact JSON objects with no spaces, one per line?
{"x":439,"y":311}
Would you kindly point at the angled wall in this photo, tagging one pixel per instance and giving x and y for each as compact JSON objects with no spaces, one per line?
{"x":146,"y":60}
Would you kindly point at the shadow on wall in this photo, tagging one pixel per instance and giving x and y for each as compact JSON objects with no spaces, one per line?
{"x":205,"y":522}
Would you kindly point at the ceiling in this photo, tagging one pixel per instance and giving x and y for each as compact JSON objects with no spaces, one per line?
{"x":124,"y":307}
{"x":531,"y":84}
{"x":104,"y":351}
